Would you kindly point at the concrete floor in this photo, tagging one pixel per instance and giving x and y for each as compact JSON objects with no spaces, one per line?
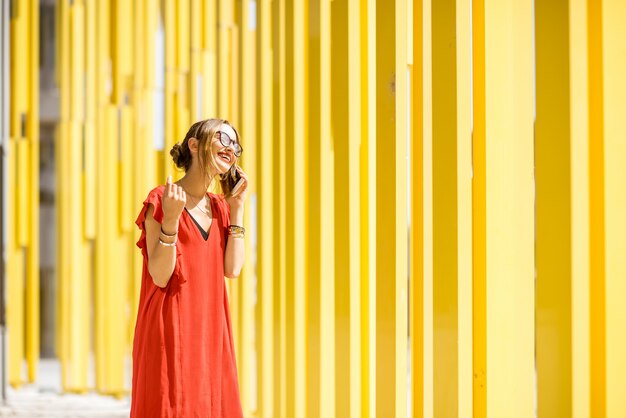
{"x":45,"y":400}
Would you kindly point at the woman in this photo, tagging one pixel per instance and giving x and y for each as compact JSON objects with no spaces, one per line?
{"x":183,"y":355}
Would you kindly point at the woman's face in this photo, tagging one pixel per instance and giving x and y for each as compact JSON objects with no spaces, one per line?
{"x":224,"y":155}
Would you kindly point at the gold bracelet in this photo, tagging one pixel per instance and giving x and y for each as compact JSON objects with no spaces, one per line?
{"x":236,"y":230}
{"x":167,"y":244}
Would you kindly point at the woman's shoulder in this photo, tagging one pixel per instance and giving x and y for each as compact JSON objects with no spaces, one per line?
{"x":157,"y":191}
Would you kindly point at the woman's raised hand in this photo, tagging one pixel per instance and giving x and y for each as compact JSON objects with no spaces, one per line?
{"x":173,"y":201}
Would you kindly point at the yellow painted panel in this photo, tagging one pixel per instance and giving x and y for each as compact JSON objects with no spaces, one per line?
{"x":510,"y":208}
{"x":76,"y":51}
{"x":400,"y":215}
{"x":141,"y":59}
{"x":32,"y":269}
{"x":89,"y":182}
{"x":340,"y":134}
{"x":74,"y":367}
{"x":327,"y":222}
{"x":614,"y":49}
{"x":15,"y":317}
{"x":479,"y":213}
{"x":445,"y":208}
{"x":464,"y":207}
{"x":247,"y":129}
{"x":23,"y":197}
{"x":579,"y":128}
{"x":183,"y":32}
{"x":126,"y":165}
{"x":224,"y":25}
{"x":355,"y":70}
{"x":266,"y":266}
{"x":209,"y":85}
{"x":416,"y":243}
{"x":597,"y":228}
{"x":14,"y":278}
{"x":365,"y":186}
{"x":150,"y":17}
{"x":553,"y":212}
{"x":372,"y":196}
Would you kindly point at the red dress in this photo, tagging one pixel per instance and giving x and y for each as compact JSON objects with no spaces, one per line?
{"x":183,"y":355}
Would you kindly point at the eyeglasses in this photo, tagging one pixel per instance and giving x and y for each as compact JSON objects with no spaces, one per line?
{"x":227,"y":141}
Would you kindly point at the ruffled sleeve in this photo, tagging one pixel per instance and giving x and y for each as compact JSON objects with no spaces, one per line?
{"x":154,"y":198}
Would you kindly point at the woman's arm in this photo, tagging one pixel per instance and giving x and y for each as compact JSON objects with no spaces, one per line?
{"x":161,"y":252}
{"x":161,"y":258}
{"x":235,"y":251}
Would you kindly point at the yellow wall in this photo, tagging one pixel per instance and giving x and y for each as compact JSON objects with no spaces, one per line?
{"x":440,"y":175}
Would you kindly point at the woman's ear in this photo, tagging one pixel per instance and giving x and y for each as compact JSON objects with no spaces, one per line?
{"x":193,"y":144}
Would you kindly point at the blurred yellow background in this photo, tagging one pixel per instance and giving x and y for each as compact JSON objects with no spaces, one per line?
{"x":437,"y":216}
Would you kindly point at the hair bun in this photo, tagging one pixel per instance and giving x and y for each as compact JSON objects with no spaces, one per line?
{"x":181,"y":156}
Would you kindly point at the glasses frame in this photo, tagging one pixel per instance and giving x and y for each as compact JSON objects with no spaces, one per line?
{"x":237,"y":150}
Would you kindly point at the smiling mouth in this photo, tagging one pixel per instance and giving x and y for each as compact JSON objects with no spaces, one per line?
{"x":224,"y":156}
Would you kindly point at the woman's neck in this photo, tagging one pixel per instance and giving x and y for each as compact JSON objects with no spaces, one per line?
{"x":195,"y":182}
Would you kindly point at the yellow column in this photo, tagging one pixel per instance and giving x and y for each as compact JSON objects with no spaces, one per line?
{"x":479,"y":215}
{"x":597,"y":213}
{"x":464,"y":205}
{"x":266,"y":255}
{"x":32,"y":276}
{"x":445,"y":210}
{"x":314,"y":152}
{"x":327,"y":221}
{"x":391,"y":216}
{"x":614,"y":49}
{"x":247,"y":129}
{"x":416,"y":244}
{"x":553,"y":211}
{"x":579,"y":146}
{"x":340,"y":134}
{"x":300,"y":194}
{"x":509,"y":205}
{"x":357,"y":113}
{"x":23,"y":214}
{"x":104,"y":175}
{"x":367,"y":190}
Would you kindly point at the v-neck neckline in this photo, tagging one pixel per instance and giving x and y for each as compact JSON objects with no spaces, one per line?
{"x":198,"y":226}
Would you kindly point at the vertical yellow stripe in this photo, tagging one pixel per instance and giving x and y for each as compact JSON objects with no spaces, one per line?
{"x":313,"y":285}
{"x":364,"y":343}
{"x":427,"y":181}
{"x":579,"y":128}
{"x":596,"y":211}
{"x":464,"y":206}
{"x":265,"y":326}
{"x":445,"y":211}
{"x":509,"y":205}
{"x":340,"y":101}
{"x":614,"y":34}
{"x":300,"y":189}
{"x":400,"y":300}
{"x":553,"y":212}
{"x":479,"y":213}
{"x":327,"y":223}
{"x":354,"y":73}
{"x":416,"y":261}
